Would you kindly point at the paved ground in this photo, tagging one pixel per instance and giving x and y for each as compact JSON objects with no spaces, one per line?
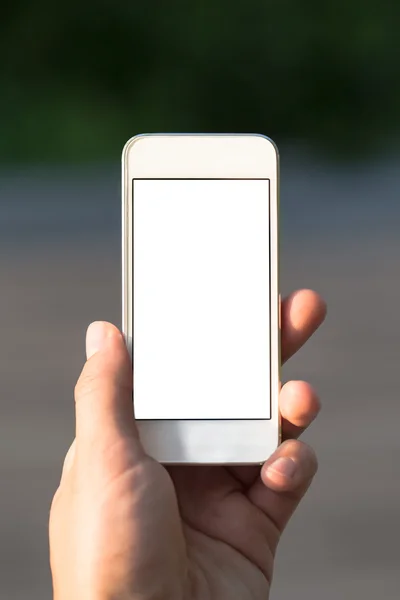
{"x":343,"y":542}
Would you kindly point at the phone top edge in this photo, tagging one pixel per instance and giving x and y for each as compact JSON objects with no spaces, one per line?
{"x":200,"y":156}
{"x":134,"y":139}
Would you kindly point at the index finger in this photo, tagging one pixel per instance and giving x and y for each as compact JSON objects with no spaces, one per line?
{"x":301,"y":314}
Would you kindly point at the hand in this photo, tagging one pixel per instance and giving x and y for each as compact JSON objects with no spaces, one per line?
{"x":123,"y":527}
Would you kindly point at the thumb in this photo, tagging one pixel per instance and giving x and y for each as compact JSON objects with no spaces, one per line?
{"x":103,"y":394}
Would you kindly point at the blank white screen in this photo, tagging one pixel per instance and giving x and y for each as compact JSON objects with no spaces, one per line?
{"x":201,"y":299}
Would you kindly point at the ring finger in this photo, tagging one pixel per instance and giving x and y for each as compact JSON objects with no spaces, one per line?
{"x":299,"y":405}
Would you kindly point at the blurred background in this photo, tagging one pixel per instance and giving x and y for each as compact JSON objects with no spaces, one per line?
{"x":322,"y":79}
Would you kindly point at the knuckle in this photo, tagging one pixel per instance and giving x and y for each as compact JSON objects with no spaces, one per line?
{"x":88,"y":383}
{"x":99,"y":377}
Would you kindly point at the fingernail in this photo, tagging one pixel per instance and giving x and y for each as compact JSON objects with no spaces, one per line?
{"x":284,"y":466}
{"x":96,"y":335}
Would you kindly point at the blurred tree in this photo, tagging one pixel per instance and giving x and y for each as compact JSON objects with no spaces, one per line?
{"x":78,"y":79}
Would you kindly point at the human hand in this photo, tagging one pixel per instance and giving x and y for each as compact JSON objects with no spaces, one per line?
{"x":123,"y":527}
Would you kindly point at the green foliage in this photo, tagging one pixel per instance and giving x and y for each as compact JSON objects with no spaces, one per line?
{"x":79,"y":78}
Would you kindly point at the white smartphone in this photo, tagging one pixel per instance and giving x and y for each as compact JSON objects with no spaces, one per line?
{"x":201,"y":310}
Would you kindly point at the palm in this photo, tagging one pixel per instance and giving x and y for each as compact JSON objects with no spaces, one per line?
{"x":202,"y":524}
{"x":230,"y":541}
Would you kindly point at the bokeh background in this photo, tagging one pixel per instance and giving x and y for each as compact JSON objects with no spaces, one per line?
{"x":322,"y":79}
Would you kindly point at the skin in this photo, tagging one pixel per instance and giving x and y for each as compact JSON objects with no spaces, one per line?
{"x":123,"y":527}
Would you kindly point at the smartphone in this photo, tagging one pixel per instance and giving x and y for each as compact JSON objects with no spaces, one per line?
{"x":200,"y":295}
